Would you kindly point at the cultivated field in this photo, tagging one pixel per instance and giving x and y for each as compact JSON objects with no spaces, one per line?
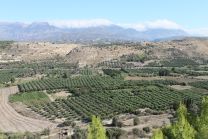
{"x":11,"y":121}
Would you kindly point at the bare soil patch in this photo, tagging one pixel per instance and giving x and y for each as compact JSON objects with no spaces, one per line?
{"x":143,"y":78}
{"x":25,"y":111}
{"x":201,"y":77}
{"x":151,"y":121}
{"x":178,"y":78}
{"x":58,"y":95}
{"x":62,"y":94}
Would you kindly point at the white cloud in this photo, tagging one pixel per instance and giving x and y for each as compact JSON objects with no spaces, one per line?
{"x":163,"y":24}
{"x":80,"y":23}
{"x":166,"y":24}
{"x":198,"y":32}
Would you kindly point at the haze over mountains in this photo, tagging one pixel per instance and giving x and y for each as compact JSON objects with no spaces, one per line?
{"x":43,"y":31}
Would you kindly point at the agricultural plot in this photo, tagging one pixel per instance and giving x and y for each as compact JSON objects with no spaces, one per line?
{"x":108,"y":103}
{"x":115,"y":64}
{"x":86,"y":72}
{"x":7,"y":75}
{"x":200,"y":84}
{"x":113,"y":95}
{"x":99,"y":82}
{"x":143,"y":72}
{"x":61,"y":83}
{"x":176,"y":62}
{"x":179,"y":62}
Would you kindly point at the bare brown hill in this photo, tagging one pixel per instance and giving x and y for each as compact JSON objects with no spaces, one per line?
{"x":27,"y":51}
{"x":93,"y":55}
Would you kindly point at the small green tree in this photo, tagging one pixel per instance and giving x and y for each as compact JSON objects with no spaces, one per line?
{"x":96,"y":129}
{"x":12,"y":80}
{"x":158,"y":134}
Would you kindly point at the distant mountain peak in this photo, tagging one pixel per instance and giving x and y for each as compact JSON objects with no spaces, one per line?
{"x":47,"y":32}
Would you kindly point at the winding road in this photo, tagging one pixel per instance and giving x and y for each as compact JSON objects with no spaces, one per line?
{"x":11,"y":121}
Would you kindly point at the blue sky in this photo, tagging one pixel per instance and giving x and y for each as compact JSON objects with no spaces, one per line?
{"x":191,"y":14}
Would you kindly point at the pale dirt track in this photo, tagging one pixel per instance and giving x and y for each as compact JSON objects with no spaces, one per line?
{"x":11,"y":121}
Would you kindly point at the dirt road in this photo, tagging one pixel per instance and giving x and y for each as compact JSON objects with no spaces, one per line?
{"x":11,"y":121}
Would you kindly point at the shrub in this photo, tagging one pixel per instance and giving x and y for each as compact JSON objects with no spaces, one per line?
{"x":147,"y":129}
{"x":138,"y":132}
{"x":136,"y":121}
{"x":164,"y":72}
{"x":114,"y":133}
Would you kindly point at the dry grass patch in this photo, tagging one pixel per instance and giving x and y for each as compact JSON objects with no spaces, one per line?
{"x":180,"y":87}
{"x":143,"y":78}
{"x":59,"y":95}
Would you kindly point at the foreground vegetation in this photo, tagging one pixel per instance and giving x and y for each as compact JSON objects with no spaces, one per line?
{"x":30,"y":98}
{"x":189,"y":125}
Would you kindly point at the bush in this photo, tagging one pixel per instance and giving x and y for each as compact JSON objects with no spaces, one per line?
{"x":164,"y":72}
{"x":120,"y":124}
{"x":45,"y":132}
{"x":12,"y":80}
{"x":65,"y":123}
{"x":114,"y":133}
{"x":112,"y":73}
{"x":79,"y":134}
{"x":147,"y":129}
{"x":138,"y":132}
{"x":136,"y":121}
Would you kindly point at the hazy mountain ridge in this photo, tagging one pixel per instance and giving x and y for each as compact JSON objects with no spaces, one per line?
{"x":43,"y":31}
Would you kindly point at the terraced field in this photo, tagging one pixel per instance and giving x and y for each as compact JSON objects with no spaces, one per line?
{"x":11,"y":121}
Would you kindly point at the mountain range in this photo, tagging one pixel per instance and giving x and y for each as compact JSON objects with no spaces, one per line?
{"x":43,"y":31}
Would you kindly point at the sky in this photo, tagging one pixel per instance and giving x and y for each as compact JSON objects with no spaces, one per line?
{"x":191,"y":15}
